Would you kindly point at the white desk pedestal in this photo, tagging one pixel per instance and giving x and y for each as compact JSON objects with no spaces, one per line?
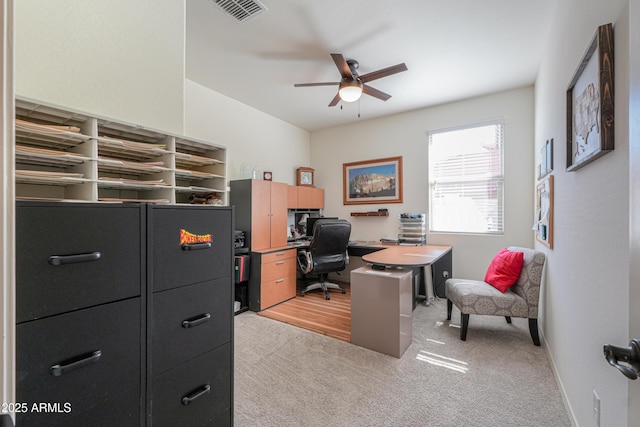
{"x":381,"y":308}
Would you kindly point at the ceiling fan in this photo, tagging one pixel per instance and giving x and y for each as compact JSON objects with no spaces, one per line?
{"x":353,"y":85}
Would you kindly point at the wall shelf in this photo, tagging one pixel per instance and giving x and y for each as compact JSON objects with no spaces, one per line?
{"x":372,"y":213}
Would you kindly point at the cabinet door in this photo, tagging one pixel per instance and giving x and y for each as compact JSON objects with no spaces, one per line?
{"x":317,"y":198}
{"x":279,"y":198}
{"x":292,"y":197}
{"x":261,"y":215}
{"x":310,"y":198}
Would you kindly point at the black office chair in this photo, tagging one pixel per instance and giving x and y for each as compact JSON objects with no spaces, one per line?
{"x":327,"y":253}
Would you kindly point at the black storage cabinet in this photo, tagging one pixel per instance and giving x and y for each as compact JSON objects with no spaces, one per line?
{"x":124,"y":314}
{"x":190,"y":302}
{"x":80,"y":313}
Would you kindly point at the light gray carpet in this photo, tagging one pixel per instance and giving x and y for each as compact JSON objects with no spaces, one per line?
{"x":287,"y":376}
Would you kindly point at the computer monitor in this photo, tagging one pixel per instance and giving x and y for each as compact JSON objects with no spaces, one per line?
{"x":311,"y":222}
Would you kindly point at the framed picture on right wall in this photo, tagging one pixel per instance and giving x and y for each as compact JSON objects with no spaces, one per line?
{"x":590,"y":109}
{"x":543,"y":222}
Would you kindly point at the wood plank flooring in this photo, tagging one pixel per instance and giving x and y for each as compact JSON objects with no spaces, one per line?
{"x":313,"y":312}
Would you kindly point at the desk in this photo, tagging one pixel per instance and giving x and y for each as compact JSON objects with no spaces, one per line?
{"x":407,"y":256}
{"x":410,"y":257}
{"x":418,"y":257}
{"x":381,"y":299}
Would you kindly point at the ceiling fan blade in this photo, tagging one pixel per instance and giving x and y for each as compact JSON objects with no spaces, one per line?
{"x":342,"y":65}
{"x":374,"y":75}
{"x":316,"y":84}
{"x":335,"y":100}
{"x":375,"y":93}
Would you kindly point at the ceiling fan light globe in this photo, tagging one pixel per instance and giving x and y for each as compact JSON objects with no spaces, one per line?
{"x":350,"y":91}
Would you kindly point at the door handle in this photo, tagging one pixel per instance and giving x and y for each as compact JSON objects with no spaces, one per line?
{"x":629,"y":355}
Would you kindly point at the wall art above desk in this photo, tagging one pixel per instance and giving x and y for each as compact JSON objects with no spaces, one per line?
{"x":372,"y":181}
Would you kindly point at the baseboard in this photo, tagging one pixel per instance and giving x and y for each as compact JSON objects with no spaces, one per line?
{"x":563,"y":393}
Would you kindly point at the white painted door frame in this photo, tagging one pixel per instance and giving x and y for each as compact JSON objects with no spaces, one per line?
{"x":633,"y":404}
{"x":7,"y":208}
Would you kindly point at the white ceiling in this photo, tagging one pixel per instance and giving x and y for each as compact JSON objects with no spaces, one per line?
{"x":453,"y":49}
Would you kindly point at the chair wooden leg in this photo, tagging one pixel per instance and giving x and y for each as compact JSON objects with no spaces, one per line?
{"x":533,"y":329}
{"x":465,"y":325}
{"x":508,"y":319}
{"x":449,"y":308}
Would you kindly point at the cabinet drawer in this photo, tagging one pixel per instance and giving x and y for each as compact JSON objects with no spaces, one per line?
{"x":190,"y":244}
{"x":206,"y":381}
{"x":276,"y":291}
{"x":278,"y":269}
{"x":189,"y":321}
{"x":277,"y":256}
{"x":53,"y":363}
{"x":75,"y":256}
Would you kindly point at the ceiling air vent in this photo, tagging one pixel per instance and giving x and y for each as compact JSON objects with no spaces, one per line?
{"x":242,"y":10}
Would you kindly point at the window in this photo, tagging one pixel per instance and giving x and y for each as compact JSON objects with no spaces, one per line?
{"x":466,"y":180}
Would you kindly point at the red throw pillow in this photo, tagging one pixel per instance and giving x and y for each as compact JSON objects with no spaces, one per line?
{"x":504,"y":269}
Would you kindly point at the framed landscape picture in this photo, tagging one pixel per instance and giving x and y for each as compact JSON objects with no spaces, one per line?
{"x":373,"y":181}
{"x":590,"y":106}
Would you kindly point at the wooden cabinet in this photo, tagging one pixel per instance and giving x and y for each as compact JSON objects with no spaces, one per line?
{"x":69,"y":155}
{"x":300,"y":197}
{"x":261,"y":212}
{"x":273,"y":278}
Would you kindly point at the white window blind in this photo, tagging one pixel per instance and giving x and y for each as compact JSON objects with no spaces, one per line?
{"x":466,"y":180}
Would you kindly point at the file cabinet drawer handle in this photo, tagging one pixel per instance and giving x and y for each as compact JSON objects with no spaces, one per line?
{"x":186,"y":400}
{"x":195,"y":321}
{"x":75,"y":363}
{"x":74,"y":259}
{"x":279,"y":280}
{"x":195,"y":246}
{"x":279,"y":262}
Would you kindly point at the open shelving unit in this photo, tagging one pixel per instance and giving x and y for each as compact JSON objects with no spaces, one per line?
{"x":71,"y":156}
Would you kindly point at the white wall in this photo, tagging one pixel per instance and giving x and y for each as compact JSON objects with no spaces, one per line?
{"x":406,"y":135}
{"x":121,"y":59}
{"x":251,"y":137}
{"x":587,"y":289}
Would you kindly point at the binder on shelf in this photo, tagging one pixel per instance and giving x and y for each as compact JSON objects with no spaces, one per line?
{"x":241,"y":267}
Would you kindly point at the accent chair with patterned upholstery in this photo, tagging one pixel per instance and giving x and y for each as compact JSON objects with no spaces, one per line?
{"x":519,"y":300}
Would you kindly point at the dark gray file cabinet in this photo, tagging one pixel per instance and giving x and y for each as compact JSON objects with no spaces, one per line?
{"x":191,"y":315}
{"x":80,"y":313}
{"x":124,"y":314}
